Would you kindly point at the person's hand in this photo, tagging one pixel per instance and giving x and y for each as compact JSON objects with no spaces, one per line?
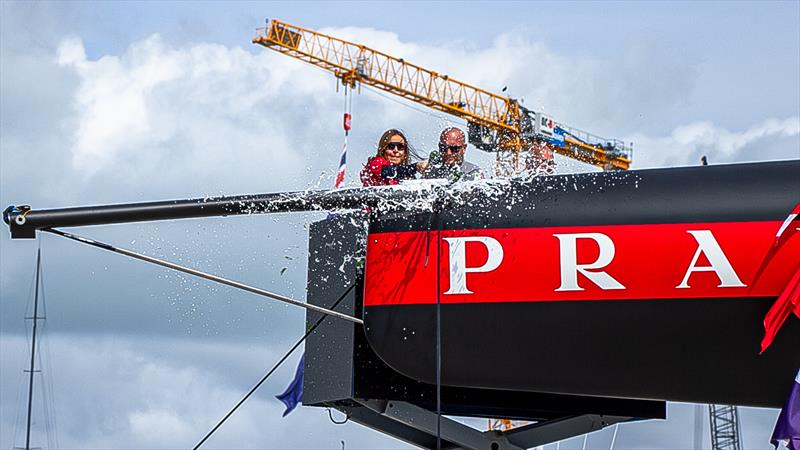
{"x":422,"y":166}
{"x":435,"y":158}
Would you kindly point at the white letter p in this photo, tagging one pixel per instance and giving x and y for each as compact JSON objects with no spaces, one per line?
{"x":458,"y":261}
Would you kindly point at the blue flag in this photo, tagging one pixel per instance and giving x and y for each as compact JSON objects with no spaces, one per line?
{"x":293,"y":394}
{"x":787,"y":428}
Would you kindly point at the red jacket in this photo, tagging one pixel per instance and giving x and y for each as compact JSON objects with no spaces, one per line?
{"x":371,"y":173}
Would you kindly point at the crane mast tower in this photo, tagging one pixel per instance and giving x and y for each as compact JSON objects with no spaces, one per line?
{"x":725,"y":429}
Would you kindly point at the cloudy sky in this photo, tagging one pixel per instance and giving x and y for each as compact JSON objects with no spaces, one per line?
{"x":105,"y":102}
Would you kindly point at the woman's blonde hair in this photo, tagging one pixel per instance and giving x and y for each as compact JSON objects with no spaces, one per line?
{"x":384,"y":141}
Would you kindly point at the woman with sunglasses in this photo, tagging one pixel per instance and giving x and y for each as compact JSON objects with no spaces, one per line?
{"x":390,"y":165}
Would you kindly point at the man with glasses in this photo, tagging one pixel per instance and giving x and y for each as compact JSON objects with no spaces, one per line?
{"x":450,"y":163}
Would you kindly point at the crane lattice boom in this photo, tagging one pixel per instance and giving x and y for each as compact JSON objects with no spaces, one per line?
{"x":496,"y":123}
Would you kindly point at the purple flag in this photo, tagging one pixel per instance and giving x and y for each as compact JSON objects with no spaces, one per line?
{"x":787,"y":428}
{"x":293,"y":394}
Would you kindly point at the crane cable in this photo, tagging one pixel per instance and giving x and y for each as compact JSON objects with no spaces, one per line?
{"x":348,"y":106}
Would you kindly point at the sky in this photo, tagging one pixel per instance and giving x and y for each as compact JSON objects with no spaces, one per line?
{"x":107,"y":102}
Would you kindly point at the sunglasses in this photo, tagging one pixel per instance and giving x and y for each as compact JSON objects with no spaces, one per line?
{"x":395,"y":146}
{"x":450,"y":148}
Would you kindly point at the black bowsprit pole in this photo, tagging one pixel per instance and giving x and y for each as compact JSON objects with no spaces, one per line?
{"x":23,"y":221}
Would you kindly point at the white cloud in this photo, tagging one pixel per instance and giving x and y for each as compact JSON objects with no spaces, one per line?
{"x":704,"y":133}
{"x":770,"y":139}
{"x":71,"y":52}
{"x":115,"y":392}
{"x":155,"y":101}
{"x":192,"y":113}
{"x":583,"y":91}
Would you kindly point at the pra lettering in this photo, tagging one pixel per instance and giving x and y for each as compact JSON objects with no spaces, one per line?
{"x":593,"y":272}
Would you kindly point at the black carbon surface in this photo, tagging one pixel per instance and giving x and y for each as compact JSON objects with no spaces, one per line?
{"x":725,"y":193}
{"x":704,"y":351}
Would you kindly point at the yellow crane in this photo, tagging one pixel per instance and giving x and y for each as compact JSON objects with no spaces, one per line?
{"x":523,"y":139}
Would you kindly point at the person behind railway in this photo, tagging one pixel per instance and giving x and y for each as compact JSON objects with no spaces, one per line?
{"x":449,"y":161}
{"x":391,"y":164}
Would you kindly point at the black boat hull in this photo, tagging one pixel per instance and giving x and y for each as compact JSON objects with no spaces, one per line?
{"x":526,"y":322}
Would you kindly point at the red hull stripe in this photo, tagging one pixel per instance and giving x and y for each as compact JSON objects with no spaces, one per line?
{"x":649,"y":262}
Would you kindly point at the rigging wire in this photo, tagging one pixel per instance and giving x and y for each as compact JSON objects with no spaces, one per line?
{"x":44,"y":399}
{"x":33,"y":346}
{"x":200,"y":274}
{"x":45,"y":361}
{"x":438,"y":328}
{"x":614,"y":436}
{"x":18,"y":417}
{"x":274,"y":368}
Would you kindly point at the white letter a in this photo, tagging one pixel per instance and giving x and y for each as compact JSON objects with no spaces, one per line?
{"x":719,"y":263}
